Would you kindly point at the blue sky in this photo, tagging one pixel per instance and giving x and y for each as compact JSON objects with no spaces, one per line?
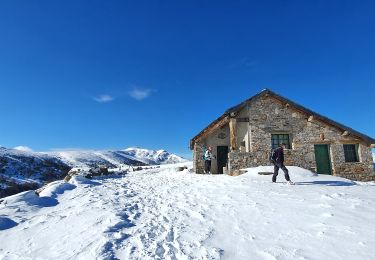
{"x":114,"y":74}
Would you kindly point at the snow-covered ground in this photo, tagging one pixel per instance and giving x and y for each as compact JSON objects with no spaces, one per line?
{"x":165,"y":214}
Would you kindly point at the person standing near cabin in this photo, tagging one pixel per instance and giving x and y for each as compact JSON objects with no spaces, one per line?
{"x":278,"y":161}
{"x":207,"y":160}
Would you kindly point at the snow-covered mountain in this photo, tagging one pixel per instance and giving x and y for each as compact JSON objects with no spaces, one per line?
{"x":95,"y":158}
{"x":129,"y":156}
{"x":153,"y":156}
{"x":22,"y":169}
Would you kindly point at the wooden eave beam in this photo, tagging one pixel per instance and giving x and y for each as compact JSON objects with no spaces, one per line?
{"x":233,"y":134}
{"x":213,"y":128}
{"x":350,"y":141}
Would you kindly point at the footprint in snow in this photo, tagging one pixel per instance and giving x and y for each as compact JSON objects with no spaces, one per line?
{"x":326,"y":197}
{"x":327,"y":215}
{"x":170,"y":235}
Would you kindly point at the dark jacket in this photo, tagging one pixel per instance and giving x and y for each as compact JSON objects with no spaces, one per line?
{"x":278,"y":156}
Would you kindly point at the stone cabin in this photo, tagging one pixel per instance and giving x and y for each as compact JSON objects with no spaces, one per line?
{"x":245,"y":134}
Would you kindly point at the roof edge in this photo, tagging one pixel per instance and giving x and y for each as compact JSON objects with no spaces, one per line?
{"x":233,"y":110}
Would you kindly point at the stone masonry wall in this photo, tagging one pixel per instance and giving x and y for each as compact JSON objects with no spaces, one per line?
{"x":198,"y":162}
{"x":361,"y":171}
{"x":240,"y":160}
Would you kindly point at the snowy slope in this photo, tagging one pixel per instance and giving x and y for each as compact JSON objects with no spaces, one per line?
{"x":164,"y":214}
{"x":28,"y":164}
{"x":95,"y":158}
{"x":22,"y":169}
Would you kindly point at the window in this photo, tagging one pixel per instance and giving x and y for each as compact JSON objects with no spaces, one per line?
{"x":278,"y":139}
{"x":351,"y":152}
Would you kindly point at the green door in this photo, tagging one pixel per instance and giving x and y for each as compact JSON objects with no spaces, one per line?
{"x":323,"y":163}
{"x":222,"y":158}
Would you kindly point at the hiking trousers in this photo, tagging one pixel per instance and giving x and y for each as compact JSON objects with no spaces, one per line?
{"x":276,"y":172}
{"x":207,"y":166}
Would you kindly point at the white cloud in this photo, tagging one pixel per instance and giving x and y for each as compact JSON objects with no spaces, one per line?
{"x":103,"y":98}
{"x":140,"y":94}
{"x":23,"y":148}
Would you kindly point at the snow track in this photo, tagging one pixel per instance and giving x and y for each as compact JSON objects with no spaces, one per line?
{"x":159,"y":220}
{"x":163,"y":214}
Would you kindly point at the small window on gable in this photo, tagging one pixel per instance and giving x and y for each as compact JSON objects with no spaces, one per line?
{"x":351,"y":152}
{"x":278,"y":139}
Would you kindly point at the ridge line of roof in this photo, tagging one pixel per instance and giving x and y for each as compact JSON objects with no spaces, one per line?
{"x":308,"y":111}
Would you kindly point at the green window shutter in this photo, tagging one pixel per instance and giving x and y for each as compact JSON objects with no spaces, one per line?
{"x":351,"y":152}
{"x":277,"y":139}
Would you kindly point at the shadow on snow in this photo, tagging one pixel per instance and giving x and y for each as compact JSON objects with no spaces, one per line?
{"x":327,"y":183}
{"x":6,"y":223}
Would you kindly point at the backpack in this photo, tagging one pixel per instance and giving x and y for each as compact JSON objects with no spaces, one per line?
{"x":271,"y":156}
{"x":204,"y":155}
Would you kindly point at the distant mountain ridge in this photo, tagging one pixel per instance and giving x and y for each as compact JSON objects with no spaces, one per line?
{"x":23,"y":169}
{"x":153,"y":156}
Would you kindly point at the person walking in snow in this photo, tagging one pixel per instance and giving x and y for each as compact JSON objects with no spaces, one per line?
{"x":207,"y":160}
{"x":278,"y":161}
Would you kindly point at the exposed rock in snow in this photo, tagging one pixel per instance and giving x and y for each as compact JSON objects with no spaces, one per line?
{"x":24,"y":170}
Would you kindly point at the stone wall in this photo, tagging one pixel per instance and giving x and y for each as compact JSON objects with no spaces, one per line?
{"x":359,"y":171}
{"x":240,"y":160}
{"x":198,"y":162}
